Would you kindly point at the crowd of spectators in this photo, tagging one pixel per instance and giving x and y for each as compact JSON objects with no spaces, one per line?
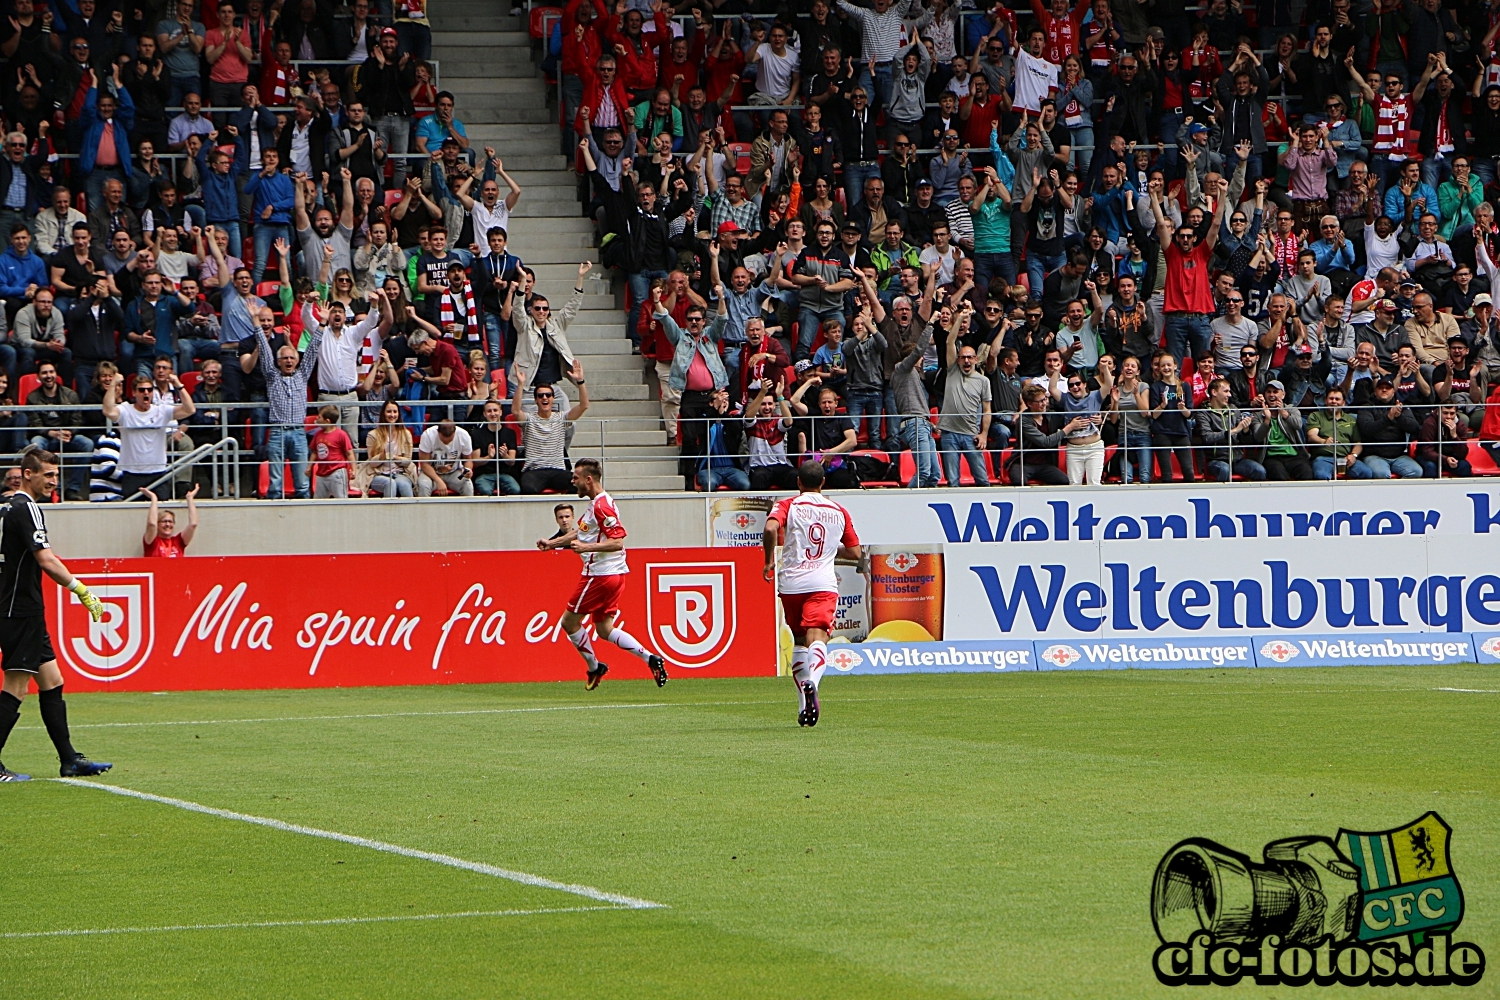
{"x":1055,"y":243}
{"x":1047,"y":244}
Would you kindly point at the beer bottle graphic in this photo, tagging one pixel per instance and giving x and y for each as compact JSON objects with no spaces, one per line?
{"x":905,"y":592}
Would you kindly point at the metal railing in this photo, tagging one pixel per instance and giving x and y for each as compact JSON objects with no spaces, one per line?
{"x":230,"y":463}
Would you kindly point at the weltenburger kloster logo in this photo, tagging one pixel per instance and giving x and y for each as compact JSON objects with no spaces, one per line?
{"x":1363,"y":908}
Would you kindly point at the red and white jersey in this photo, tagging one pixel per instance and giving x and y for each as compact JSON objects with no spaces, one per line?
{"x":813,"y":528}
{"x":600,"y":520}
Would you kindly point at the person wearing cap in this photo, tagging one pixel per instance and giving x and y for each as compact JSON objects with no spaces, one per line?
{"x":1305,"y":375}
{"x":385,"y":82}
{"x":822,"y":278}
{"x":697,"y":373}
{"x":1383,"y":333}
{"x":924,"y":214}
{"x":1386,"y":428}
{"x":1285,"y":454}
{"x":1462,"y":381}
{"x":1483,"y":332}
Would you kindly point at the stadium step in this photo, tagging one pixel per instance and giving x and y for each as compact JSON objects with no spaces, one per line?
{"x":486,"y":61}
{"x":460,"y":39}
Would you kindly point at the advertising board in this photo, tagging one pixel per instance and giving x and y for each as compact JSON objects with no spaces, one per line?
{"x":417,"y":618}
{"x":1175,"y":576}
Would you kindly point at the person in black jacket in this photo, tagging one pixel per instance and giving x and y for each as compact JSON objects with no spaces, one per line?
{"x":311,"y":21}
{"x":307,"y":117}
{"x":385,"y":83}
{"x":642,"y":244}
{"x":33,"y":192}
{"x":1035,"y":458}
{"x":150,"y":86}
{"x":857,"y":132}
{"x":1441,"y":96}
{"x":1385,"y":434}
{"x":93,"y":324}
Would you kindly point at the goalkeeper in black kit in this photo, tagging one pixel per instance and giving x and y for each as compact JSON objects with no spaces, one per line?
{"x":26,"y":647}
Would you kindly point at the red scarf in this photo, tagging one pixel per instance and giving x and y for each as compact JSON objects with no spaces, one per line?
{"x":448,"y":314}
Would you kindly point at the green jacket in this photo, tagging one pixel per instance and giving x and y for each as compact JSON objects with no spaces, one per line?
{"x":1343,"y":436}
{"x":883,"y":258}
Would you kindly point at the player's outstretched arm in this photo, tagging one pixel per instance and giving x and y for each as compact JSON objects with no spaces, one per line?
{"x":769,"y":541}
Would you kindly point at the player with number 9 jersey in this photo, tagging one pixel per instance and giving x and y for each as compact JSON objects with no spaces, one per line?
{"x":814,"y":529}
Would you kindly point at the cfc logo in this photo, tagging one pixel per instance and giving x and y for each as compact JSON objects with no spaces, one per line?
{"x":690,"y":611}
{"x":117,"y":645}
{"x":1061,"y":655}
{"x":1278,"y":650}
{"x":844,"y":660}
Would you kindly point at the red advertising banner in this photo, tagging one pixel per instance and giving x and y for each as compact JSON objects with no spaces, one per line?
{"x":418,"y":618}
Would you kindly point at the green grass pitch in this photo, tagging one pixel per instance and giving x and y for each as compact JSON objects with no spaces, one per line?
{"x":945,"y":836}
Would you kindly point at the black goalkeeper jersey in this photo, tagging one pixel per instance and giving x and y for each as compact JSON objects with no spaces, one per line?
{"x":23,"y":534}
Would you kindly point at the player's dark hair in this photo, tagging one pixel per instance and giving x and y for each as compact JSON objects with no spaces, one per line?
{"x":562,"y":506}
{"x":33,"y":459}
{"x":810,"y":475}
{"x":589,"y":467}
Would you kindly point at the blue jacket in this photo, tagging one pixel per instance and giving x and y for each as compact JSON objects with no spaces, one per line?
{"x":158,"y":321}
{"x":1395,"y":204}
{"x":93,"y":130}
{"x":276,"y":191}
{"x":221,"y":200}
{"x":1109,"y":213}
{"x":1331,"y":257}
{"x":265,"y":122}
{"x":16,"y":272}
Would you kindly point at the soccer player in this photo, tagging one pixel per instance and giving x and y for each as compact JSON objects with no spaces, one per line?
{"x":599,"y":537}
{"x":817,"y":531}
{"x":26,"y":646}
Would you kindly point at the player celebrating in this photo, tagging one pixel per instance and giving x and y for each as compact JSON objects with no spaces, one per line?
{"x":599,"y":537}
{"x":809,"y":589}
{"x":27,"y":648}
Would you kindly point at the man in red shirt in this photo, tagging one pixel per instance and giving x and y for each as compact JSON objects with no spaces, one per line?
{"x":1188,"y":299}
{"x":979,"y":112}
{"x":162,"y":539}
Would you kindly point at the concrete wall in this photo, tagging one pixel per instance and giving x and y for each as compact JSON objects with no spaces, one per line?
{"x":251,"y":527}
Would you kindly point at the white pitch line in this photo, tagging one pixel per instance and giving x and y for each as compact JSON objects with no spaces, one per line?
{"x":525,"y":878}
{"x":1468,"y":690}
{"x":371,"y":715}
{"x":330,"y":922}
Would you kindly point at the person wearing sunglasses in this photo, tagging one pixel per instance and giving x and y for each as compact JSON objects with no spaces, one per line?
{"x":543,"y":355}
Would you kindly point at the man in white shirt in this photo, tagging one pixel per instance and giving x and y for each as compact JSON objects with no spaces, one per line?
{"x":1036,"y":78}
{"x":780,"y":77}
{"x":446,"y":457}
{"x":144,"y":428}
{"x":942,"y":252}
{"x":339,"y":353}
{"x":490,"y":212}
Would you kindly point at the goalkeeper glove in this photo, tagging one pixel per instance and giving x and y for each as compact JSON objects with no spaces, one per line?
{"x":88,"y":600}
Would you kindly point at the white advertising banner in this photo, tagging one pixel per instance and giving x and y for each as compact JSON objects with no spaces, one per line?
{"x":1165,"y":576}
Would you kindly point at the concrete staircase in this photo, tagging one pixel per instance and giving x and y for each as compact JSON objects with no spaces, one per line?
{"x":485,"y":59}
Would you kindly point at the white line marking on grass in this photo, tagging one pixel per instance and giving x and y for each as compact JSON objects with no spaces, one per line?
{"x":588,"y":892}
{"x":330,"y":922}
{"x":372,"y":715}
{"x":1468,"y":690}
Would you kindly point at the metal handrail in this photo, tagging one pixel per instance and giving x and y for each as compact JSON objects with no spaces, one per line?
{"x":192,"y":458}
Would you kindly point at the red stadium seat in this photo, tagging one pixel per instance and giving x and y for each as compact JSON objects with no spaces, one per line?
{"x":190,"y":380}
{"x":1481,"y":461}
{"x":28,"y":383}
{"x":741,"y":151}
{"x":392,"y":197}
{"x":269,"y":290}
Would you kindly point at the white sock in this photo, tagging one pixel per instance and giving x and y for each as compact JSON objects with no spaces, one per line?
{"x":629,"y":643}
{"x":580,"y":639}
{"x":800,"y":674}
{"x":817,"y":662}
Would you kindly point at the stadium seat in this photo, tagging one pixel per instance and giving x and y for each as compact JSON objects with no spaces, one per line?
{"x":1480,"y":459}
{"x":741,"y":151}
{"x":269,"y":290}
{"x":190,"y":380}
{"x":391,"y":198}
{"x":28,"y":383}
{"x":879,"y":456}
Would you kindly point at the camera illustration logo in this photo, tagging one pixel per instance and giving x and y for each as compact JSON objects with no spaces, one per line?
{"x":844,"y":660}
{"x":1361,"y":908}
{"x":1279,"y":650}
{"x":1061,"y":655}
